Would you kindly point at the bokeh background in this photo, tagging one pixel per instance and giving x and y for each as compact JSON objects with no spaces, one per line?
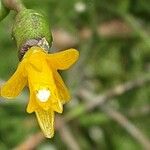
{"x":110,"y":106}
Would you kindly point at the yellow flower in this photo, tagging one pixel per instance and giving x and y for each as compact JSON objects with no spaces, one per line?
{"x":38,"y":70}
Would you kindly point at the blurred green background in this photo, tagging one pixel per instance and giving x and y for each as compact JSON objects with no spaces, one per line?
{"x":114,"y":43}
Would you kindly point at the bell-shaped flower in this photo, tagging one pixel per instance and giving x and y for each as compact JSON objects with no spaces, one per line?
{"x":39,"y":71}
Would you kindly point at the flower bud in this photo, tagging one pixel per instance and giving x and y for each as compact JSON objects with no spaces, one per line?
{"x":29,"y":28}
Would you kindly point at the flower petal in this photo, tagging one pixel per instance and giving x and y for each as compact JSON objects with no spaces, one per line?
{"x":32,"y":103}
{"x":36,"y":60}
{"x":15,"y":84}
{"x":63,"y":92}
{"x":57,"y":107}
{"x":46,"y":121}
{"x":63,"y":60}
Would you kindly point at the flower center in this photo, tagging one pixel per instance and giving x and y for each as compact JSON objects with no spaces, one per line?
{"x":43,"y":95}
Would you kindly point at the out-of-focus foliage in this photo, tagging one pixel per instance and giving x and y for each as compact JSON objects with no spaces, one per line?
{"x":106,"y":60}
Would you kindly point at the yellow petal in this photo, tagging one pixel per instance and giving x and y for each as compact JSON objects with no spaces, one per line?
{"x":32,"y":103}
{"x":63,"y":92}
{"x":15,"y":84}
{"x":36,"y":59}
{"x":35,"y":56}
{"x":63,"y":60}
{"x":46,"y":121}
{"x":57,"y":107}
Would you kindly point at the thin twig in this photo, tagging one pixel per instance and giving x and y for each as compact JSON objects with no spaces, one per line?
{"x":16,"y":5}
{"x":106,"y":96}
{"x":31,"y":142}
{"x":66,"y":134}
{"x":111,"y":29}
{"x":122,"y":120}
{"x":115,"y":91}
{"x":128,"y":126}
{"x":138,"y":112}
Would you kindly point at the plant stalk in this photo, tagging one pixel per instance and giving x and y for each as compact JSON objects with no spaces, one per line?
{"x":15,"y":5}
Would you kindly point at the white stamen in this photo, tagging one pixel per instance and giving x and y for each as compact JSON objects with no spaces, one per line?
{"x":43,"y":95}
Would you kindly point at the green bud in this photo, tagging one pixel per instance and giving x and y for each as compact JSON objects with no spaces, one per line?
{"x":30,"y":26}
{"x":3,"y":11}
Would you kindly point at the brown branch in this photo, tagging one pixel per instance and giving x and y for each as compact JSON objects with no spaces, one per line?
{"x":138,"y":112}
{"x":128,"y":126}
{"x":117,"y":116}
{"x":66,"y":134}
{"x":16,"y":5}
{"x":110,"y":29}
{"x":31,"y":142}
{"x":115,"y":91}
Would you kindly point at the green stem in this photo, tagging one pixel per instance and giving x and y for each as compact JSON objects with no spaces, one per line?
{"x":3,"y":11}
